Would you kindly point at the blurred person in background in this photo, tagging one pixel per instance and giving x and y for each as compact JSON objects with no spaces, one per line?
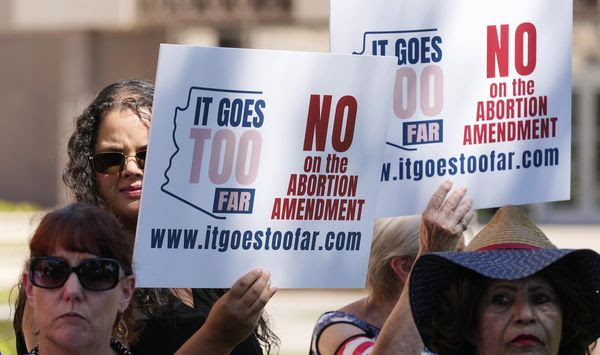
{"x":512,"y":291}
{"x":107,"y":154}
{"x":354,"y":329}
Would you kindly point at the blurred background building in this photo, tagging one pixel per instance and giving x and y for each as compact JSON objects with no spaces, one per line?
{"x":55,"y":55}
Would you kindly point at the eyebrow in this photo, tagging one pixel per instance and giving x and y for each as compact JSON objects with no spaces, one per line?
{"x":541,"y":287}
{"x":502,"y":286}
{"x":531,"y":288}
{"x":115,"y":148}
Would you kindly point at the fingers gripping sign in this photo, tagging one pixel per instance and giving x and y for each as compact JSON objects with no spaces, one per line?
{"x":236,"y":313}
{"x":444,"y":219}
{"x":251,"y":294}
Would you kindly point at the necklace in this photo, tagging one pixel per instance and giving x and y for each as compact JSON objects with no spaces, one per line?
{"x":116,"y":345}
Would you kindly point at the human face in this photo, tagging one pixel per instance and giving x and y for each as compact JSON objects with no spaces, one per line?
{"x":73,"y":318}
{"x":122,"y":131}
{"x":519,"y":317}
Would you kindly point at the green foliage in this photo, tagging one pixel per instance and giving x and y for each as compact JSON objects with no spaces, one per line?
{"x":7,"y":338}
{"x":7,"y":206}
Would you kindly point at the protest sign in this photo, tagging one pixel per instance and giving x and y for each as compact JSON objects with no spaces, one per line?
{"x":262,"y":159}
{"x":482,"y":95}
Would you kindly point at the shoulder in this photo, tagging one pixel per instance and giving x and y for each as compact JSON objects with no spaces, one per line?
{"x":334,"y":328}
{"x":336,"y":317}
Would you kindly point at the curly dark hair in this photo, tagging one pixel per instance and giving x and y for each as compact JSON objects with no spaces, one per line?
{"x":80,"y":178}
{"x":455,"y":316}
{"x":136,"y":95}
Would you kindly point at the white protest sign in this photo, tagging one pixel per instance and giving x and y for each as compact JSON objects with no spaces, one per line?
{"x":262,"y":159}
{"x":482,"y":95}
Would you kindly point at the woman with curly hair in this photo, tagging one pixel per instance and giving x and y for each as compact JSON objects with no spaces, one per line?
{"x":511,"y":292}
{"x":107,"y":153}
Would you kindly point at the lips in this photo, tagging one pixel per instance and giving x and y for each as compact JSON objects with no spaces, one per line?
{"x":131,"y":191}
{"x":71,"y":316}
{"x":526,"y":339}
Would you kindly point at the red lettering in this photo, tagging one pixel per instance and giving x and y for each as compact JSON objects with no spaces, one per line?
{"x":497,"y":51}
{"x":345,"y":103}
{"x":292,"y":185}
{"x":317,"y":122}
{"x":529,"y":29}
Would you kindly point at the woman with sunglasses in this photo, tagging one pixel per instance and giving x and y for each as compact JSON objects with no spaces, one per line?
{"x":79,"y":281}
{"x":106,"y":167}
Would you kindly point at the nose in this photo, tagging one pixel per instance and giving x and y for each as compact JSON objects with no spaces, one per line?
{"x":72,"y":289}
{"x":524,"y":312}
{"x":131,"y":166}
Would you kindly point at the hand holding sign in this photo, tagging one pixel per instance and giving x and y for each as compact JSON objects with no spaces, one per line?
{"x":441,"y":225}
{"x":235,"y":315}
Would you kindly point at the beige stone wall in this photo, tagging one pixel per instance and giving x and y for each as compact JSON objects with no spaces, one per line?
{"x":28,"y":102}
{"x":47,"y":78}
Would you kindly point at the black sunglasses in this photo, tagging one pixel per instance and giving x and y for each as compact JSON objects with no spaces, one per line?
{"x":114,"y":162}
{"x":96,"y":274}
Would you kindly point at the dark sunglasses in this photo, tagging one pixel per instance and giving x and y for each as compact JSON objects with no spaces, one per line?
{"x":96,"y":274}
{"x":114,"y":162}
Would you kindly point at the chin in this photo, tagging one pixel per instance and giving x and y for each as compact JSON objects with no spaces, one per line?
{"x":73,"y":339}
{"x":128,"y":212}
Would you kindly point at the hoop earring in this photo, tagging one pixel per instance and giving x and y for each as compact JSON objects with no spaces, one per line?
{"x":121,"y":330}
{"x":34,"y":331}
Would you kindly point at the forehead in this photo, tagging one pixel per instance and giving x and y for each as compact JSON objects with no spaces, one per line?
{"x":74,"y":258}
{"x":122,"y":128}
{"x":530,"y":282}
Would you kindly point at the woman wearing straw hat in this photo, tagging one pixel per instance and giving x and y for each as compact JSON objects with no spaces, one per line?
{"x":512,"y":291}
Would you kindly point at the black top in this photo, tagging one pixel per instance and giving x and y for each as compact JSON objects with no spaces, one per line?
{"x":163,"y":336}
{"x":166,"y":335}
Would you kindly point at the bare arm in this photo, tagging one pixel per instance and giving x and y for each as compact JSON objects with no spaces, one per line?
{"x":399,"y":334}
{"x":440,"y":231}
{"x":335,"y":335}
{"x":233,"y":317}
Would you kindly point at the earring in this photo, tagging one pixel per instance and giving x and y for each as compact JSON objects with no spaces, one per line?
{"x":121,"y":331}
{"x":34,"y":325}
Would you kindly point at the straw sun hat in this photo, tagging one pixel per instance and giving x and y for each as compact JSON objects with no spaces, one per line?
{"x":510,"y":247}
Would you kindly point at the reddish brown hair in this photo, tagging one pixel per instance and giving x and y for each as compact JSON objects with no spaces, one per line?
{"x":83,"y":228}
